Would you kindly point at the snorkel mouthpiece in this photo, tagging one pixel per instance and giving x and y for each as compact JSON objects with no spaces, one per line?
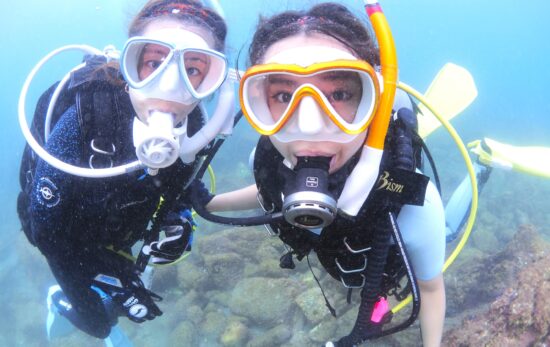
{"x":308,"y":203}
{"x":156,"y":144}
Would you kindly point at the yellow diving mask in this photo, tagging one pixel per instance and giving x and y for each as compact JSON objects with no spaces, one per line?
{"x":325,"y":101}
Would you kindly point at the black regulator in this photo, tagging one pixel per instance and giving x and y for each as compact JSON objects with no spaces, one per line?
{"x":307,"y":201}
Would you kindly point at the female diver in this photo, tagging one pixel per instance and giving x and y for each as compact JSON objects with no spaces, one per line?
{"x":312,"y":91}
{"x":171,"y":61}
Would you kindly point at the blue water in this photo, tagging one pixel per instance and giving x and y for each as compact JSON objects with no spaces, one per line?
{"x":503,"y":44}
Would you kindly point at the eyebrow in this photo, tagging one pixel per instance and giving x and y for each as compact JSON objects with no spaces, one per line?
{"x":152,"y":49}
{"x":196,"y":58}
{"x":274,"y":79}
{"x":338,"y":75}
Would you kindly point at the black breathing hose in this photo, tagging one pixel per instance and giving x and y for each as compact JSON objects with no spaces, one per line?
{"x":364,"y":328}
{"x":242,"y":221}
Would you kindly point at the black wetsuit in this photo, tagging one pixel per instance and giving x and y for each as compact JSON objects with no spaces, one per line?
{"x":74,"y":219}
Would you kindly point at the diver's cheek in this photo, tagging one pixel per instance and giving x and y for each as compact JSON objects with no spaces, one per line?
{"x":345,"y":152}
{"x":284,"y":148}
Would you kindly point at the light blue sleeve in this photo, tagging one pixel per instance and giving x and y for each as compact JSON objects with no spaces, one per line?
{"x":423,"y":232}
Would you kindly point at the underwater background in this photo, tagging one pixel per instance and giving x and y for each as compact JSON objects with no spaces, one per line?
{"x":503,"y":44}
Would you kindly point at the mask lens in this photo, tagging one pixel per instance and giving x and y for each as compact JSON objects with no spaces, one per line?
{"x":142,"y":60}
{"x":205,"y":71}
{"x":152,"y":56}
{"x":346,"y":95}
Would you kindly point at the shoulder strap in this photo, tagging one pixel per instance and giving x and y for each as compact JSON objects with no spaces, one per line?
{"x":266,"y":163}
{"x":98,"y":120}
{"x":103,"y":108}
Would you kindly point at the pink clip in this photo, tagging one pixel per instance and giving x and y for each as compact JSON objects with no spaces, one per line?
{"x":381,"y":307}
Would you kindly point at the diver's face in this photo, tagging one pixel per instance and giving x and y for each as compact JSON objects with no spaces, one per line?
{"x":164,"y":94}
{"x":344,"y":98}
{"x":197,"y":64}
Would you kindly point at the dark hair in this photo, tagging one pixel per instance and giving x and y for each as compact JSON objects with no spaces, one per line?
{"x":182,"y":10}
{"x":329,"y":19}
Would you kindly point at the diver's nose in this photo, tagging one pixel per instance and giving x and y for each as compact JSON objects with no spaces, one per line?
{"x":311,"y":118}
{"x":170,"y":78}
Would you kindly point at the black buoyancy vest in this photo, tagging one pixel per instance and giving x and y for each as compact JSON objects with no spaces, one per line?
{"x":342,"y":247}
{"x":105,"y":113}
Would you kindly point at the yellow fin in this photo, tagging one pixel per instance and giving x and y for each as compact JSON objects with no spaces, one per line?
{"x":527,"y":159}
{"x":452,"y":90}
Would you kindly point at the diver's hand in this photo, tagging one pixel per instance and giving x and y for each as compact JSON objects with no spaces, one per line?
{"x":130,"y":296}
{"x":179,"y":235}
{"x":138,"y":303}
{"x":118,"y":277}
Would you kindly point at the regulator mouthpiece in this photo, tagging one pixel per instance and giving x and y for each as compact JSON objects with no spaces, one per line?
{"x":308,"y":203}
{"x":157,"y":144}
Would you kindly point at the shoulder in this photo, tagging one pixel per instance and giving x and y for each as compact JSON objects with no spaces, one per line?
{"x":426,"y":219}
{"x":423,"y":232}
{"x":67,"y":129}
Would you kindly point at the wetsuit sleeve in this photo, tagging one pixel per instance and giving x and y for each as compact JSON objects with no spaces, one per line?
{"x":54,"y":214}
{"x":203,"y":194}
{"x":423,"y":231}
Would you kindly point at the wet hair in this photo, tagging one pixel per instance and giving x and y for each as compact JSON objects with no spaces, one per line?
{"x":188,"y":11}
{"x":329,"y":19}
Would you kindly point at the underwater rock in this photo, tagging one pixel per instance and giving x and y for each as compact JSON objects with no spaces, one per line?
{"x":265,"y":300}
{"x":481,"y":279}
{"x":268,"y":267}
{"x":484,"y":240}
{"x":323,"y":332}
{"x":520,"y":316}
{"x":226,"y":254}
{"x":224,"y":270}
{"x":242,"y":241}
{"x":213,"y":324}
{"x":185,"y":334}
{"x":235,"y":334}
{"x":218,"y":297}
{"x":191,"y":276}
{"x":277,"y":336}
{"x":300,"y":338}
{"x":195,"y":314}
{"x":164,"y":278}
{"x":313,"y":305}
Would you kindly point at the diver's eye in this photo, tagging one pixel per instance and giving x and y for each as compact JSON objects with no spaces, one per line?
{"x":153,"y":64}
{"x":340,"y":95}
{"x":191,"y":71}
{"x":282,"y":97}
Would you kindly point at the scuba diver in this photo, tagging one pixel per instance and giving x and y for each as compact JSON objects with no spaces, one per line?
{"x":328,"y":177}
{"x":83,"y":205}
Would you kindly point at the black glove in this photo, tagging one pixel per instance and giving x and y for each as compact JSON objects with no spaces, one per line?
{"x":121,"y":282}
{"x":178,"y":230}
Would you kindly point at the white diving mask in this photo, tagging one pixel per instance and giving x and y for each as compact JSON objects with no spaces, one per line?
{"x":168,"y":65}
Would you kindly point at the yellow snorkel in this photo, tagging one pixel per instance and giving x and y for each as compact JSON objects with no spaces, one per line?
{"x":388,"y":62}
{"x":365,"y":174}
{"x":380,"y":124}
